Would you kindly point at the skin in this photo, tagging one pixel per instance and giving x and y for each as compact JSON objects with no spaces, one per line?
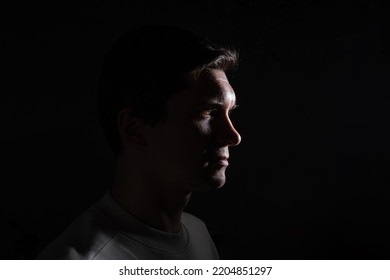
{"x":186,"y":151}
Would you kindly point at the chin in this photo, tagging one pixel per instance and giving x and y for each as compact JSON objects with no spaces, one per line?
{"x":218,"y":183}
{"x":213,"y":183}
{"x":208,"y":181}
{"x":218,"y":179}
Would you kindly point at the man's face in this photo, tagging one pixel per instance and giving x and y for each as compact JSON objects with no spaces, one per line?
{"x":189,"y":149}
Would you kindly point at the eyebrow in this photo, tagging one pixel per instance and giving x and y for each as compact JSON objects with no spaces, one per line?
{"x":235,"y":106}
{"x":215,"y":102}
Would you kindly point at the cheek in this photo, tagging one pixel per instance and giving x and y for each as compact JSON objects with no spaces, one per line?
{"x":191,"y":142}
{"x":202,"y":128}
{"x":201,"y":139}
{"x":185,"y":143}
{"x":180,"y":141}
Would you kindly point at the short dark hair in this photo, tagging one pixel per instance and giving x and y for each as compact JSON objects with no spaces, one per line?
{"x":146,"y":66}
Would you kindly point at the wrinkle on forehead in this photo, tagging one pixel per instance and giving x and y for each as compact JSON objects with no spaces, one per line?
{"x":216,"y":88}
{"x":222,"y":79}
{"x":220,"y":96}
{"x":211,"y":87}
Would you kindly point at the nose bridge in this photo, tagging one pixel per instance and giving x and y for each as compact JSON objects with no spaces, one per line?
{"x":227,"y":133}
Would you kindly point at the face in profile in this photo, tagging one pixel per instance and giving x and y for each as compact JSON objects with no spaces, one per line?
{"x":189,"y":148}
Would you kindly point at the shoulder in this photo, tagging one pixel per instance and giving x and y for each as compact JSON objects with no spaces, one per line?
{"x":193,"y":223}
{"x":191,"y":219}
{"x":199,"y":237}
{"x":84,"y":238}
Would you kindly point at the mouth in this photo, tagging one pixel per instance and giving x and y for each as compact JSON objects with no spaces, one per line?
{"x":219,"y":161}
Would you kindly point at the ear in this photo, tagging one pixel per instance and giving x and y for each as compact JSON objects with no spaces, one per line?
{"x":130,"y":127}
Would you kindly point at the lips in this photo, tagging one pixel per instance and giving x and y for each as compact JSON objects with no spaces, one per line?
{"x":220,"y":160}
{"x":223,"y":162}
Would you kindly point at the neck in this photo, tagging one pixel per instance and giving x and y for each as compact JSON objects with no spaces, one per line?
{"x":154,"y":205}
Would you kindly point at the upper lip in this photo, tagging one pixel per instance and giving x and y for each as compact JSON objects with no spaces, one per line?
{"x":219,"y":157}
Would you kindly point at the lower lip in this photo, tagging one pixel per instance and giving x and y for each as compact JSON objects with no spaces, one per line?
{"x":222,"y":162}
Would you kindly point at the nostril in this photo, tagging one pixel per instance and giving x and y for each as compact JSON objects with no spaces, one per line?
{"x":237,"y":140}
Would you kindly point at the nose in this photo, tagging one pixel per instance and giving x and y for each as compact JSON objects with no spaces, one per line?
{"x":228,"y":135}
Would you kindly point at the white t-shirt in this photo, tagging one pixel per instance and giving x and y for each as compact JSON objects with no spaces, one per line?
{"x":107,"y":231}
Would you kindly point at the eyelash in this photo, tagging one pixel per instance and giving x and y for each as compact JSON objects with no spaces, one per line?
{"x":209,"y":112}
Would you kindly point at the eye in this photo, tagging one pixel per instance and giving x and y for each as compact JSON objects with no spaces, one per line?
{"x":231,"y":110}
{"x":208,"y":113}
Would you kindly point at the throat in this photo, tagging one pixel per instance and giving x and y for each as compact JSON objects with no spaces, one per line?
{"x":161,"y":211}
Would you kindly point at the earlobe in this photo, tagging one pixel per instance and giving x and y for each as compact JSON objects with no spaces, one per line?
{"x":129,"y":126}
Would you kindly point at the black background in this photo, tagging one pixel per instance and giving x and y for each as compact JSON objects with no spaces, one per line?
{"x":310,"y":178}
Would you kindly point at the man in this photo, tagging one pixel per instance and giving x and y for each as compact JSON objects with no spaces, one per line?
{"x":164,"y":104}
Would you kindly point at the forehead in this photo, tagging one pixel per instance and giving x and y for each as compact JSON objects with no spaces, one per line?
{"x":210,"y":87}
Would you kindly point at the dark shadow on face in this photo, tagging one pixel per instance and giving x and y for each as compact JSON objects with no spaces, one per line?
{"x":190,"y":147}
